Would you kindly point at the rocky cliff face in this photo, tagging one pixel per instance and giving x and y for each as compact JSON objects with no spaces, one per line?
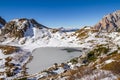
{"x":2,"y":22}
{"x":109,"y":23}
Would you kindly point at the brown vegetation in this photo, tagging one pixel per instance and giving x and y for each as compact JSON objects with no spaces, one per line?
{"x":8,"y":49}
{"x":83,"y":33}
{"x":113,"y":67}
{"x":54,"y":30}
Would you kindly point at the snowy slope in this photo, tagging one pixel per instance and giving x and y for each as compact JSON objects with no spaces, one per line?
{"x":28,"y":35}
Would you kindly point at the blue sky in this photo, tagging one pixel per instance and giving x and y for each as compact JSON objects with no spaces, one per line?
{"x":59,"y":13}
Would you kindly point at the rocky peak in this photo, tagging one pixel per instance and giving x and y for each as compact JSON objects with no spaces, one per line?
{"x":19,"y":27}
{"x":109,"y":23}
{"x":36,"y":24}
{"x":2,"y":22}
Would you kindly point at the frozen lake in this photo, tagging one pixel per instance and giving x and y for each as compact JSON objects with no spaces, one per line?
{"x":43,"y":58}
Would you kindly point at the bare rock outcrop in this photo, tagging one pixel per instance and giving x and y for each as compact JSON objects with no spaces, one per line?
{"x":2,"y":22}
{"x":109,"y":23}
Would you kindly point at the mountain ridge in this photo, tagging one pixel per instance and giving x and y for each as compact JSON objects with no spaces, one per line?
{"x":109,"y":23}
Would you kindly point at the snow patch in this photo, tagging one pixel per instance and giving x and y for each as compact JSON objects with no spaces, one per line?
{"x":109,"y":61}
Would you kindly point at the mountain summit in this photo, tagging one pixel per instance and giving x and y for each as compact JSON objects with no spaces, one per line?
{"x":109,"y":23}
{"x":21,"y":27}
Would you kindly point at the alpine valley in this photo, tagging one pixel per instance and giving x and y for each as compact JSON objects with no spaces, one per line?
{"x":95,"y":50}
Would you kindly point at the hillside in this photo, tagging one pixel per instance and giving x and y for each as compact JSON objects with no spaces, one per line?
{"x":100,"y":47}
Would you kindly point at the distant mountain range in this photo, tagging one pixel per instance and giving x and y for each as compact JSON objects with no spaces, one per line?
{"x":18,"y":27}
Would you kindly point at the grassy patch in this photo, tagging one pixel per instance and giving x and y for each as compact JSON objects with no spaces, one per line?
{"x":82,"y":33}
{"x":74,"y":60}
{"x":8,"y":49}
{"x":114,"y":52}
{"x":116,"y":57}
{"x":118,"y":30}
{"x":54,"y":30}
{"x":21,"y":79}
{"x":91,"y":56}
{"x":113,"y":67}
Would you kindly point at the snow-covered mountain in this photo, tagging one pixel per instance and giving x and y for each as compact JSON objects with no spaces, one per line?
{"x":19,"y":28}
{"x":27,"y":31}
{"x":100,"y":47}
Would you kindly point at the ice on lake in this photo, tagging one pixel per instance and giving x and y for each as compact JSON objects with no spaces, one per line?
{"x":43,"y":58}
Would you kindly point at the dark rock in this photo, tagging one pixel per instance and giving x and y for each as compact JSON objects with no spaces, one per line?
{"x":2,"y":22}
{"x":36,"y":24}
